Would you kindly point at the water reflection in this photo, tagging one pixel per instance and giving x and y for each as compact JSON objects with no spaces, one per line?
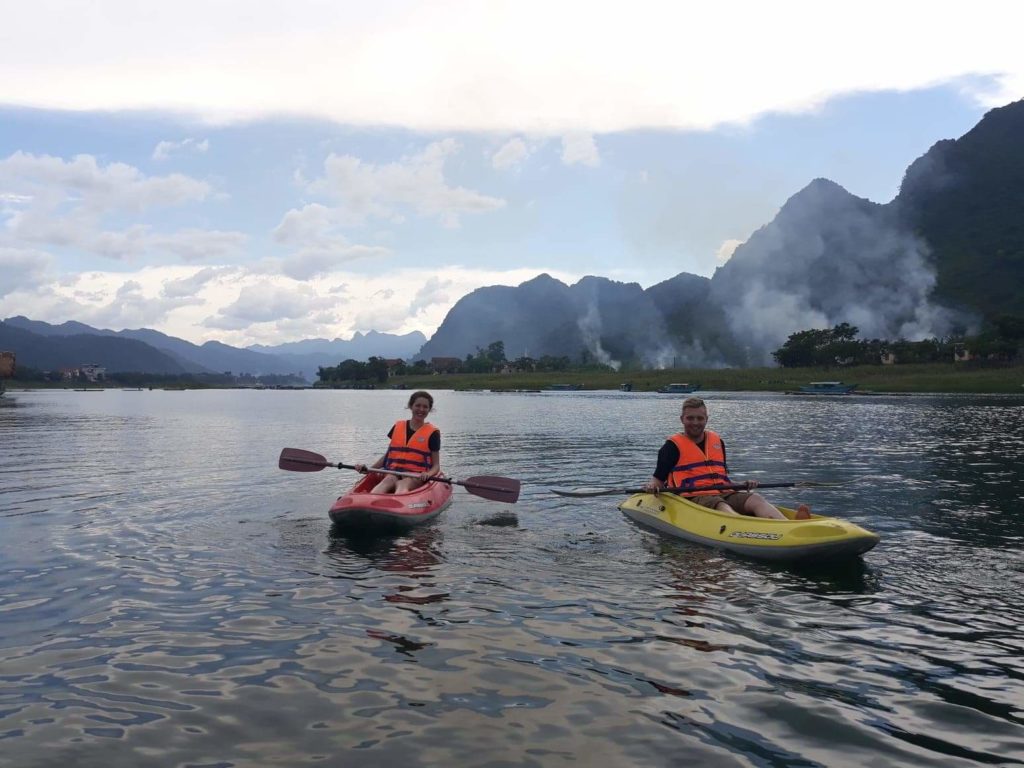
{"x":415,"y":553}
{"x":835,"y":580}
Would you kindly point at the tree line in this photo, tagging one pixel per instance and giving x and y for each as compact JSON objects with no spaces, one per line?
{"x":827,"y":347}
{"x":27,"y":374}
{"x":490,"y":359}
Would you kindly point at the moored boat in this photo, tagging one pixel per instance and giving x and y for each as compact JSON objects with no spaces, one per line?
{"x":827,"y":388}
{"x":359,"y":508}
{"x":813,"y":539}
{"x":679,"y":389}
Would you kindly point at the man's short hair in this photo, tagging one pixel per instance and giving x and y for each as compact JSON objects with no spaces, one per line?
{"x":693,"y":402}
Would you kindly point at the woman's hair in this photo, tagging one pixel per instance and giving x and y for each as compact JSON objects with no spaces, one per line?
{"x":416,"y":395}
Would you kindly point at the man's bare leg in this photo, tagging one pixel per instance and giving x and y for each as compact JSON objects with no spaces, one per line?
{"x":758,"y":506}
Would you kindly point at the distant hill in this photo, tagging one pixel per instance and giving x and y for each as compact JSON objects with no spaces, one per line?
{"x":310,"y":354}
{"x":54,"y":352}
{"x":613,"y":322}
{"x":210,"y":357}
{"x":213,"y":356}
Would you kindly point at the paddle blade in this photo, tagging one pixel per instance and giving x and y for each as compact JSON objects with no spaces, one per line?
{"x":586,"y":493}
{"x":491,"y":487}
{"x":298,"y":460}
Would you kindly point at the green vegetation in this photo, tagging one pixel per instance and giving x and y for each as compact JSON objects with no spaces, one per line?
{"x":1003,"y":342}
{"x":352,"y":374}
{"x":31,"y":377}
{"x":373,"y":374}
{"x":919,"y":377}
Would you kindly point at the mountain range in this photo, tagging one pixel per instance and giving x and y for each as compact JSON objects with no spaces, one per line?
{"x":946,"y":255}
{"x":50,"y":347}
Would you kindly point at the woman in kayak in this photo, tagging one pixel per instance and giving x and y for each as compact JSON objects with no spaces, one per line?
{"x":415,"y":448}
{"x":695,"y":459}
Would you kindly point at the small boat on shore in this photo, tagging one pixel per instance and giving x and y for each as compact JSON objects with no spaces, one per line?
{"x":827,"y":388}
{"x":679,"y":389}
{"x":363,"y":510}
{"x":814,"y":539}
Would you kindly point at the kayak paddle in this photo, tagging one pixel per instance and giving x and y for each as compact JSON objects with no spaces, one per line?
{"x":485,"y":486}
{"x":583,"y":493}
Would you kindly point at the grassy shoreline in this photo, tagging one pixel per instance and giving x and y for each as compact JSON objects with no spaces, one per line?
{"x":922,"y":378}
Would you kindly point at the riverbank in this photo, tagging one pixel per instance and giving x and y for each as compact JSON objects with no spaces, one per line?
{"x":933,"y":377}
{"x":923,"y":378}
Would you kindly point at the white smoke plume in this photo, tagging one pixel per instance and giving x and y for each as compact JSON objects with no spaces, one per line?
{"x":829,"y":258}
{"x":590,"y":329}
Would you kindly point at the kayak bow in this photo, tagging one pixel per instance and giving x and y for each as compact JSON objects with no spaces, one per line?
{"x":396,"y":511}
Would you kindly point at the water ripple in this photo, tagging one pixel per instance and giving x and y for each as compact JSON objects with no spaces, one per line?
{"x":174,"y":599}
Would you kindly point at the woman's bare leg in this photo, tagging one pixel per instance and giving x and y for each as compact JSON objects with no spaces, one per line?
{"x":387,"y":485}
{"x":407,"y":484}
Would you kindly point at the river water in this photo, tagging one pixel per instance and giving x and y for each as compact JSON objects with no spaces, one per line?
{"x":169,"y":597}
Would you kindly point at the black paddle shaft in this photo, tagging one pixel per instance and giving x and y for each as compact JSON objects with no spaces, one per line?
{"x":486,"y":486}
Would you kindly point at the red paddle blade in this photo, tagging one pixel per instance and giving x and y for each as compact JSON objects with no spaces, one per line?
{"x":491,"y":487}
{"x":298,"y":460}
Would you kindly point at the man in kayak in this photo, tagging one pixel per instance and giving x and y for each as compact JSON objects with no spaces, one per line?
{"x":695,"y":459}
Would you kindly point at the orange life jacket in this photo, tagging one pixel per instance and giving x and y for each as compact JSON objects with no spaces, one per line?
{"x":409,"y":455}
{"x":698,"y":469}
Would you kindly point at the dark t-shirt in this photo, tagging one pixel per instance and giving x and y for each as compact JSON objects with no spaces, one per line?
{"x":434,"y":444}
{"x":668,"y":458}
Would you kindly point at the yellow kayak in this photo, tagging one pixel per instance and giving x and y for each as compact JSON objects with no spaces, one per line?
{"x":815,"y":538}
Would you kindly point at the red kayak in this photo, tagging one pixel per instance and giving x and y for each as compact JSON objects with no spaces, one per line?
{"x":361,"y":509}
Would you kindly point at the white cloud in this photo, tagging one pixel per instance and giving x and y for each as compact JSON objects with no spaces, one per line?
{"x":11,"y":200}
{"x":726,"y":249}
{"x":63,"y":203}
{"x":306,"y":225}
{"x":93,"y":188}
{"x":266,"y":302}
{"x":128,"y":244}
{"x":190,"y":286}
{"x":497,"y":66}
{"x":434,"y":291}
{"x":380,"y":314}
{"x":199,"y":244}
{"x":22,"y":269}
{"x":240,"y":307}
{"x":105,"y":300}
{"x":510,"y":155}
{"x":319,"y":248}
{"x":310,"y":263}
{"x":165,"y":149}
{"x":417,"y":183}
{"x":580,"y":149}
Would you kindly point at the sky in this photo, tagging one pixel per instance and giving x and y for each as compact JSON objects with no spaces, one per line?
{"x":263,"y":172}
